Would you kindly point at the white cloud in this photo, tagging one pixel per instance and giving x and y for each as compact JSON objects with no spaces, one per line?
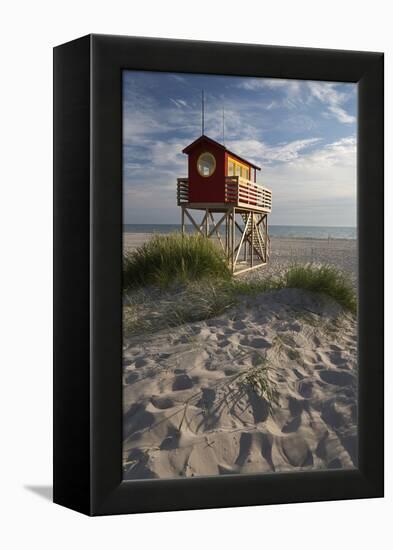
{"x":339,"y":153}
{"x":316,"y":187}
{"x":140,"y":123}
{"x":326,"y":93}
{"x":179,"y":102}
{"x":177,"y":77}
{"x":292,"y":87}
{"x":296,"y":92}
{"x":341,"y":115}
{"x":262,"y":153}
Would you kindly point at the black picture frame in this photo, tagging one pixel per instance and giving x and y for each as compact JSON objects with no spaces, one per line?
{"x":88,"y":273}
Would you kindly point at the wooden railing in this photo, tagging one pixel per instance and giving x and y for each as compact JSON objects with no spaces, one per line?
{"x":244,"y":192}
{"x":238,"y":191}
{"x":182,"y":190}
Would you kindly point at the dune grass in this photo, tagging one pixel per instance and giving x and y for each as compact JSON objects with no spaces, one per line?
{"x":321,"y":279}
{"x":324,"y":279}
{"x":257,"y":379}
{"x":149,"y":309}
{"x":177,"y":279}
{"x":171,"y":259}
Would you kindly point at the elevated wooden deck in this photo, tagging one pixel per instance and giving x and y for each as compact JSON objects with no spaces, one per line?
{"x":239,"y":192}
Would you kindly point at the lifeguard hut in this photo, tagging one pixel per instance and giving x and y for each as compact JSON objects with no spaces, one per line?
{"x":221,"y":182}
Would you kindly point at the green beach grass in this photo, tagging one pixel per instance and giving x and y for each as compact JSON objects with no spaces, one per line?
{"x":321,"y":279}
{"x":172,"y":259}
{"x":196,"y":270}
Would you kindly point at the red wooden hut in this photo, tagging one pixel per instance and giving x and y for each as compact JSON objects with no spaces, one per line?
{"x":221,"y":181}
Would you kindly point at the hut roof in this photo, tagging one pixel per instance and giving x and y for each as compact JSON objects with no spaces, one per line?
{"x":217,"y":144}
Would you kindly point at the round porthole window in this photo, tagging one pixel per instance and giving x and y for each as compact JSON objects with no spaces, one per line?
{"x":206,"y":164}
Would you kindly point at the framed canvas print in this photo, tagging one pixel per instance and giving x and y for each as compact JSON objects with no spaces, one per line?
{"x":218,"y":275}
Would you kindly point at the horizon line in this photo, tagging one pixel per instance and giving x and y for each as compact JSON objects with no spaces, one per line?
{"x":270,"y":225}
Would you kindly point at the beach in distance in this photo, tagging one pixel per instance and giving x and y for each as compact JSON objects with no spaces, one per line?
{"x":286,"y":231}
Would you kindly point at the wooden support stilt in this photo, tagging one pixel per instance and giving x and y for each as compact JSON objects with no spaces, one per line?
{"x":216,"y":227}
{"x":252,"y":239}
{"x":183,"y":225}
{"x":233,"y":240}
{"x":243,"y":253}
{"x":197,"y":227}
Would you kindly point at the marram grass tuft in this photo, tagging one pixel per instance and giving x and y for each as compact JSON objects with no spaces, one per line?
{"x":173,"y":258}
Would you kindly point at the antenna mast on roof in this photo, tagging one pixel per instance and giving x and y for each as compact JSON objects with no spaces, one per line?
{"x":223,"y":125}
{"x":203,"y":112}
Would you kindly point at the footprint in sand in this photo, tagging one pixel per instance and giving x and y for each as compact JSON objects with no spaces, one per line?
{"x":350,"y":444}
{"x":295,"y":327}
{"x":245,"y":443}
{"x":319,"y":366}
{"x":210,"y":366}
{"x":305,"y":388}
{"x":223,"y":341}
{"x":162,"y":402}
{"x":137,"y":418}
{"x":337,"y":378}
{"x":337,"y":359}
{"x":182,"y":382}
{"x":139,"y":468}
{"x":163,"y":355}
{"x":259,"y":406}
{"x":260,"y":343}
{"x":266,"y":448}
{"x":239,"y":325}
{"x":296,"y":451}
{"x":316,"y":341}
{"x":171,"y":441}
{"x":207,"y":399}
{"x":131,"y":378}
{"x":292,"y":425}
{"x":230,"y":372}
{"x":140,"y":362}
{"x":331,"y":416}
{"x":295,"y":406}
{"x":335,"y":348}
{"x":298,"y":374}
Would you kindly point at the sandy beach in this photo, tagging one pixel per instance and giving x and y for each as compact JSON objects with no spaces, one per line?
{"x":191,"y":408}
{"x":191,"y":404}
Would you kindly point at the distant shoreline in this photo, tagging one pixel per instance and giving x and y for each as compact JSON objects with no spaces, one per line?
{"x":279,"y":237}
{"x":309,"y":233}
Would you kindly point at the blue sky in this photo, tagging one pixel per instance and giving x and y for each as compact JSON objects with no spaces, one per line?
{"x":301,"y":133}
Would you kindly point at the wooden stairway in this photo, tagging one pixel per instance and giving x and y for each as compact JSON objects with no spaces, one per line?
{"x":254,"y":237}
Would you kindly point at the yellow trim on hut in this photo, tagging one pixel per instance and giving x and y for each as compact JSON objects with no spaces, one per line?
{"x":237,"y":168}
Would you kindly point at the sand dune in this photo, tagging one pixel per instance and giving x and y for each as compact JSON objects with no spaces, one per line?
{"x":191,"y":407}
{"x":285,"y":251}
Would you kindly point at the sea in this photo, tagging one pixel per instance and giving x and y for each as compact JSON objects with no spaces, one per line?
{"x":284,"y":231}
